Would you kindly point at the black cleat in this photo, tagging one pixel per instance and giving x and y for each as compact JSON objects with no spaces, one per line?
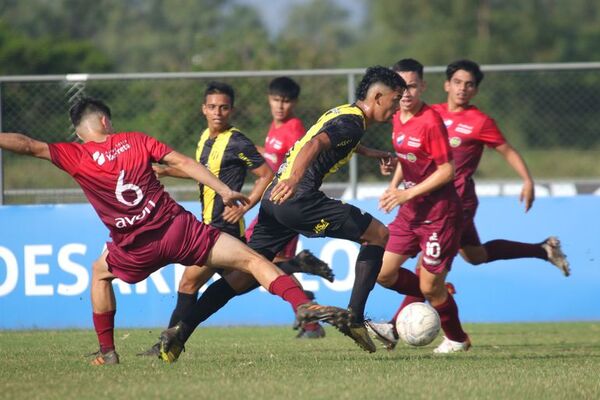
{"x":308,"y":263}
{"x":358,"y":332}
{"x":171,"y":344}
{"x":313,"y":312}
{"x":153,"y":351}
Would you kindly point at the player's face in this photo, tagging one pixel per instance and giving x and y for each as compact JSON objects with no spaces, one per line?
{"x":388,"y":102}
{"x":217,"y":110}
{"x":461,"y":88}
{"x":411,"y":99}
{"x":282,"y":108}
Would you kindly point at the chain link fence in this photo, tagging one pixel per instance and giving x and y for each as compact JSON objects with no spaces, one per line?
{"x":548,"y":112}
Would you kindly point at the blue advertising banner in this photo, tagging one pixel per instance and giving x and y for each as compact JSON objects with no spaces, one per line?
{"x":46,"y":253}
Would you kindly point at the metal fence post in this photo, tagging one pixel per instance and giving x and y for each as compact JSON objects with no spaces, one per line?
{"x":353,"y":161}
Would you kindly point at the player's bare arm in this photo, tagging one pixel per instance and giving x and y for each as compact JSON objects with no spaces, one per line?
{"x":285,"y":188}
{"x":387,"y":159}
{"x":514,"y":159}
{"x":163,"y":171}
{"x":21,"y":144}
{"x":201,"y":174}
{"x":264,"y":175}
{"x":396,"y":197}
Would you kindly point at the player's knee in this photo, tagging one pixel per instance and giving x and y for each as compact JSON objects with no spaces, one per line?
{"x":387,"y":279}
{"x":378,"y":235}
{"x":188,"y":286}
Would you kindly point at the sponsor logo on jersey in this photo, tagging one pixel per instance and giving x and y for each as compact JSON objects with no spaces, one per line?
{"x":455,"y":141}
{"x":123,"y":222}
{"x":119,"y":148}
{"x":411,"y":157}
{"x":99,"y":158}
{"x":271,"y":157}
{"x":320,"y":227}
{"x":414,"y":142}
{"x":464,"y":129}
{"x":344,"y":143}
{"x":243,"y":157}
{"x":448,"y":123}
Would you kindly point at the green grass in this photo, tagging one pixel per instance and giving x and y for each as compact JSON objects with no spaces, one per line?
{"x":532,"y":361}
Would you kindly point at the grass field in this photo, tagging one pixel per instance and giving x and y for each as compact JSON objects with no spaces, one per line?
{"x":508,"y":361}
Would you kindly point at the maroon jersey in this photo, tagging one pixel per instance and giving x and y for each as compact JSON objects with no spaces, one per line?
{"x":468,"y":132}
{"x":117,"y":178}
{"x":280,"y":140}
{"x":421,"y":144}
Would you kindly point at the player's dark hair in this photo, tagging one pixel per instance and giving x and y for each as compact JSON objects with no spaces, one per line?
{"x":409,"y":65}
{"x":85,"y":106}
{"x":470,"y":66}
{"x":378,"y":74}
{"x":215,"y":87}
{"x":284,"y":87}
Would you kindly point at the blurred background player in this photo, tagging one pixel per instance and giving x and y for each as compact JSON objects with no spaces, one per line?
{"x":148,"y":228}
{"x":294,"y":204}
{"x":284,"y":131}
{"x":229,"y":155}
{"x":469,"y":130}
{"x":430,"y":219}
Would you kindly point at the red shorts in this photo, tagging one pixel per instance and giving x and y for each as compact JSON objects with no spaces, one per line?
{"x":438,"y":241}
{"x":185,"y":240}
{"x":288,"y":251}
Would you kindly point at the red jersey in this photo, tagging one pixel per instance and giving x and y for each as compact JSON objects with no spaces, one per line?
{"x":117,"y":178}
{"x":421,"y":144}
{"x":280,"y":140}
{"x":468,"y":132}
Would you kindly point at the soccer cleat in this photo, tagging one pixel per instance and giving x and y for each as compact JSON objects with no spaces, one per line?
{"x":153,"y":351}
{"x":171,"y":344}
{"x":308,"y":263}
{"x":109,"y":358}
{"x":358,"y":332}
{"x":384,"y":332}
{"x":555,"y":255}
{"x":313,"y":312}
{"x":312,"y":334}
{"x":450,"y":346}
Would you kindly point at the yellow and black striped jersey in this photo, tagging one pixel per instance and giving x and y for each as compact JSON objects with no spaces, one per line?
{"x":229,"y":156}
{"x":345,"y":126}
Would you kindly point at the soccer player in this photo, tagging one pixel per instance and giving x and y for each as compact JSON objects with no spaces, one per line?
{"x":430,"y":218}
{"x":228,"y":154}
{"x":147,"y":227}
{"x":469,"y":130}
{"x":294,"y":204}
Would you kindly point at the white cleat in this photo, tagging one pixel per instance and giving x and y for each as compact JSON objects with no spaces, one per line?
{"x":555,"y":254}
{"x":450,"y":346}
{"x":384,"y":332}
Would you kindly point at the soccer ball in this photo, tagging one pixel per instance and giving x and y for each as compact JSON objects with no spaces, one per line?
{"x":418,"y":324}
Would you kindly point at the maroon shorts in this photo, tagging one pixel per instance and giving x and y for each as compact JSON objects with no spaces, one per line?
{"x":469,"y":237}
{"x":438,"y":241}
{"x":289,"y":250}
{"x":185,"y":240}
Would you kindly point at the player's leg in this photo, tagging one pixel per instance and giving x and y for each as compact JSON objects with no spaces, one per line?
{"x":434,"y":288}
{"x":104,"y":308}
{"x":193,"y":278}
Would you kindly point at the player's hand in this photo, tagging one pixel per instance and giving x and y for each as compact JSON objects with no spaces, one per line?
{"x":232,"y":214}
{"x":283,"y":190}
{"x":392,"y":198}
{"x":387,"y":165}
{"x":527,"y":195}
{"x":159,"y":171}
{"x":232,"y":198}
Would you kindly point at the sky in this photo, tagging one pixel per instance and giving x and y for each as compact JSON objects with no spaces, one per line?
{"x":274,"y":14}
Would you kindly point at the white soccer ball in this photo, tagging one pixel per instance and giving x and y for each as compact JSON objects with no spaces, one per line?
{"x":418,"y":324}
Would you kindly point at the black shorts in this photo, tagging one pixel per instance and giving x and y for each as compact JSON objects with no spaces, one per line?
{"x":313,"y":215}
{"x":232,"y":229}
